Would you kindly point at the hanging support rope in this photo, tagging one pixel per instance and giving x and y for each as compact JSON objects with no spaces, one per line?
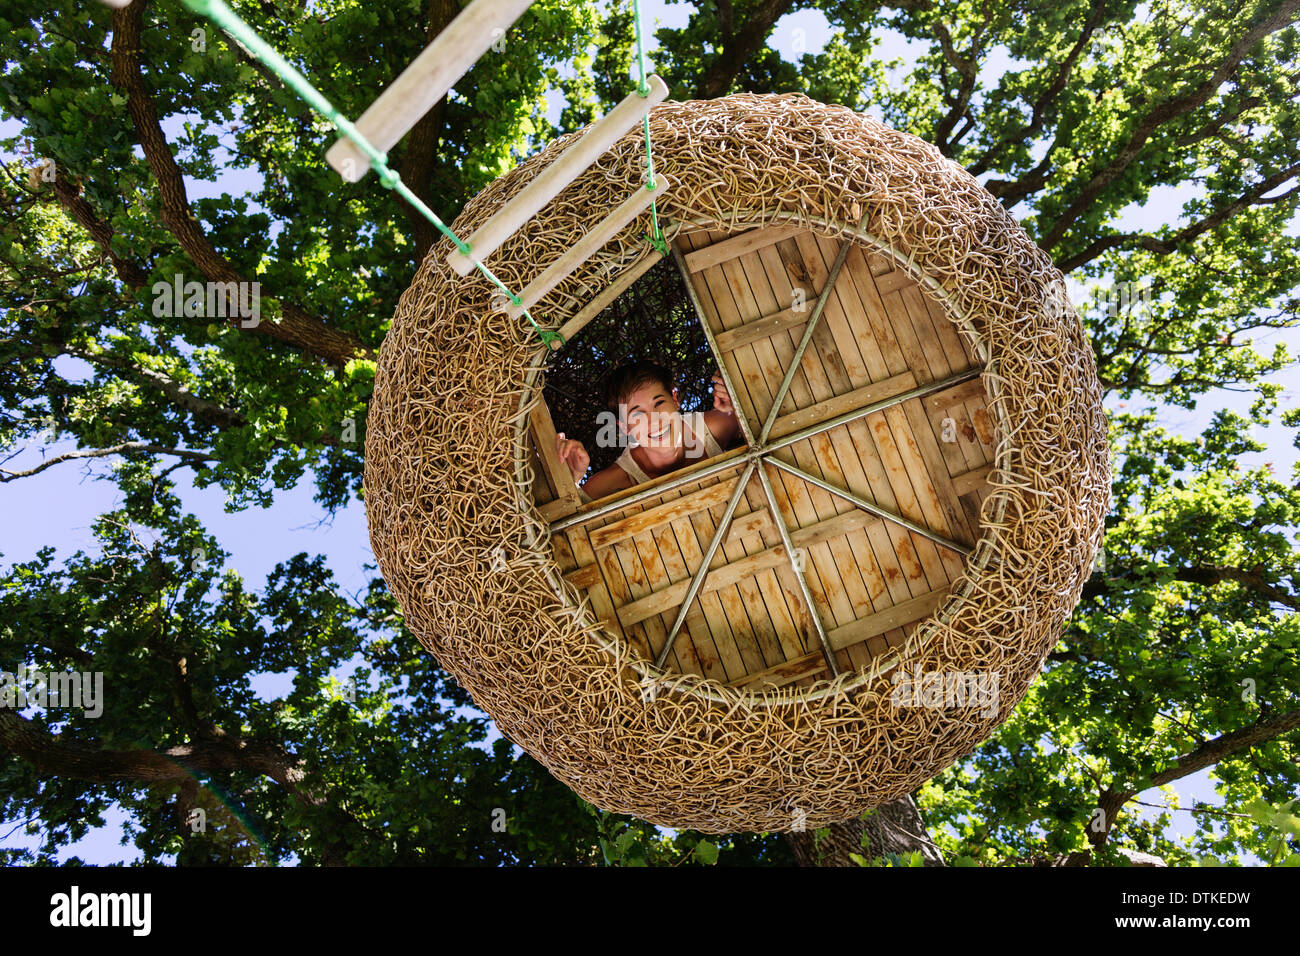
{"x":219,"y":13}
{"x":656,"y":237}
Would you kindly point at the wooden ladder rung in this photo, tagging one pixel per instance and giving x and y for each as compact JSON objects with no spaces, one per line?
{"x":562,"y":171}
{"x":588,"y":245}
{"x":425,"y":81}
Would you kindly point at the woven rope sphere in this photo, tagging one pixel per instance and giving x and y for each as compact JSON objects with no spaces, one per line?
{"x":448,"y":485}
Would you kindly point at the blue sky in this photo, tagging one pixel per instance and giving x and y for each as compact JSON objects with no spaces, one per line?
{"x":59,"y":507}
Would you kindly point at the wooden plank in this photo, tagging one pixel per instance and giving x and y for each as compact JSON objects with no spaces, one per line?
{"x":543,"y":490}
{"x":787,"y":672}
{"x":979,"y":416}
{"x":554,"y":510}
{"x":764,"y":328}
{"x":662,"y":514}
{"x":717,"y":300}
{"x":894,"y":550}
{"x":830,"y":569}
{"x":422,"y":84}
{"x":714,"y":619}
{"x":745,"y":526}
{"x":864,"y":631}
{"x":601,"y":594}
{"x":937,"y":401}
{"x":738,"y":360}
{"x":969,"y":481}
{"x":854,"y":336}
{"x":942,"y":348}
{"x":858,"y":398}
{"x":832,"y":366}
{"x":861,"y":283}
{"x":894,"y":281}
{"x":718,"y":252}
{"x":697,"y":640}
{"x":587,"y":246}
{"x":602,"y":301}
{"x":956,"y":349}
{"x":879,"y":263}
{"x":836,"y":338}
{"x":929,"y":337}
{"x":585,"y":577}
{"x":646,"y":488}
{"x":859,"y":464}
{"x":937,"y":468}
{"x":887,"y":620}
{"x":905,"y":333}
{"x":564,"y":169}
{"x":967,"y":440}
{"x":932,"y":486}
{"x":670,"y":597}
{"x":724,"y":575}
{"x":927,"y":562}
{"x":622,"y":562}
{"x":764,"y":601}
{"x":560,"y":477}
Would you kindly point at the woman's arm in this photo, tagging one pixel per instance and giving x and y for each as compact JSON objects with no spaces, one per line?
{"x":607,"y":481}
{"x":721,"y":419}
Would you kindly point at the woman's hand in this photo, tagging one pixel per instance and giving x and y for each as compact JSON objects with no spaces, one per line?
{"x":572,"y":454}
{"x":721,"y":397}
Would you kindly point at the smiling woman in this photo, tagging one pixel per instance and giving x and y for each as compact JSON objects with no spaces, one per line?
{"x":916,"y":491}
{"x":643,"y":417}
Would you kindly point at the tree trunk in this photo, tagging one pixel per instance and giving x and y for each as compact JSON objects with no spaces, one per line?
{"x":892,"y":828}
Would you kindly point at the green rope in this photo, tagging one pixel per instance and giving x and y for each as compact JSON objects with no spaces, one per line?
{"x":656,"y":238}
{"x":224,"y":17}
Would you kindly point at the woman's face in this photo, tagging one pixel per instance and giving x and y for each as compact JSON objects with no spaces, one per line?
{"x":651,"y":416}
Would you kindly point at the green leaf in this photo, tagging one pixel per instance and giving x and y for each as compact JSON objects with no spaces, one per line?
{"x":706,"y":852}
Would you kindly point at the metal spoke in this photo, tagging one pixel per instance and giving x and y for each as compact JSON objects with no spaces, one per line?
{"x":827,"y":651}
{"x":736,"y":404}
{"x":870,"y":506}
{"x":807,"y":337}
{"x":760,"y":449}
{"x":871,"y":409}
{"x":698,"y":579}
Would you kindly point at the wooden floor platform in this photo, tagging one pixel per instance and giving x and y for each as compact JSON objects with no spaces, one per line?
{"x":871,"y":578}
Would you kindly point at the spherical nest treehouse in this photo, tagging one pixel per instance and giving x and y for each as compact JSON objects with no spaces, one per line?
{"x":752,"y":642}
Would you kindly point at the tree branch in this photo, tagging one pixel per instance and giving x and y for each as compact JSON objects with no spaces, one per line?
{"x":51,"y":754}
{"x":968,"y":71}
{"x":122,"y":449}
{"x":80,"y":210}
{"x":420,"y":156}
{"x":295,"y":326}
{"x":737,"y":48}
{"x":1206,"y":755}
{"x":1038,"y":113}
{"x":206,"y":411}
{"x":1251,"y":579}
{"x":1166,"y":111}
{"x":1151,"y":243}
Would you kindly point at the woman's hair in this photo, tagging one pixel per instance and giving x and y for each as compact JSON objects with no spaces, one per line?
{"x":630,"y":376}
